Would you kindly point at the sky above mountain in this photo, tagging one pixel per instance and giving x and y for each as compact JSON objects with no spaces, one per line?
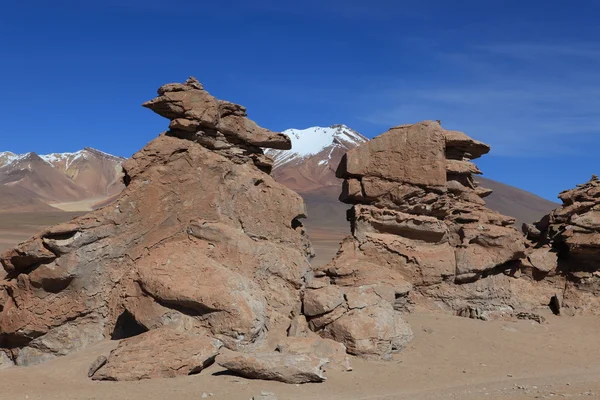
{"x":519,"y":75}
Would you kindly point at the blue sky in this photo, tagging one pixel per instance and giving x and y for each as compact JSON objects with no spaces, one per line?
{"x":519,"y":75}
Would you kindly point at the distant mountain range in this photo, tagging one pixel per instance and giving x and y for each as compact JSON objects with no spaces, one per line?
{"x":89,"y":177}
{"x":32,"y":182}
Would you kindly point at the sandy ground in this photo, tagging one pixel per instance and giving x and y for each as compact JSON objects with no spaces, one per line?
{"x":82,"y":205}
{"x":450,"y":358}
{"x":326,"y":243}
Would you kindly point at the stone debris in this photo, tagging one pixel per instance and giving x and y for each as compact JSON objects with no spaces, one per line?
{"x":265,"y":396}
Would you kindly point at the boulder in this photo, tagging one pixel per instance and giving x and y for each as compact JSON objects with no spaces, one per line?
{"x":287,"y":368}
{"x":333,"y":351}
{"x":458,"y":145}
{"x":407,"y":153}
{"x":543,"y":259}
{"x":6,"y":360}
{"x":371,"y":332}
{"x":160,"y":353}
{"x":322,"y":301}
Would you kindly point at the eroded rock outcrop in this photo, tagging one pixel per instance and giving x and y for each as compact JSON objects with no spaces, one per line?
{"x":421,"y":237}
{"x":202,"y":243}
{"x":566,"y":248}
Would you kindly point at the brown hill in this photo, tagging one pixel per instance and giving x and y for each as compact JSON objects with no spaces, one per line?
{"x":82,"y":178}
{"x":99,"y":173}
{"x":521,"y":204}
{"x":32,"y":173}
{"x":15,"y":198}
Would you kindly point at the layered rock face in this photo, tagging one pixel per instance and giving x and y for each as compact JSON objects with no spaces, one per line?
{"x":202,"y":242}
{"x":566,"y":246}
{"x":421,"y":237}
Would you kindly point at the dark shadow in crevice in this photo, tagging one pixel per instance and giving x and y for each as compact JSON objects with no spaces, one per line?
{"x":226,"y":373}
{"x":296,"y":223}
{"x":126,"y":327}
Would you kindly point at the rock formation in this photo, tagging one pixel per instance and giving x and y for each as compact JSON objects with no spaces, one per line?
{"x":202,"y":245}
{"x":421,"y":238}
{"x":566,"y":248}
{"x":287,"y":368}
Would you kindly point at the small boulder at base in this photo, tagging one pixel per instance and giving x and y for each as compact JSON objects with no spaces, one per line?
{"x":334,"y":351}
{"x":371,"y":332}
{"x":161,"y":353}
{"x":287,"y":368}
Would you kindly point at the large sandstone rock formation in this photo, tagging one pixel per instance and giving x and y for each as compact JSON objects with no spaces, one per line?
{"x":566,"y":248}
{"x":421,"y":237}
{"x":202,"y":242}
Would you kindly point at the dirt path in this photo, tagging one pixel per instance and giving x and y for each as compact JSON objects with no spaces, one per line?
{"x":450,"y":358}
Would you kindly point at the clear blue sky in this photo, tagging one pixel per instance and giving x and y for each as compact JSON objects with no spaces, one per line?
{"x":522,"y":75}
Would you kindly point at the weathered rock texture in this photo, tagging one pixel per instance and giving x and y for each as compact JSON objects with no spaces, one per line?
{"x":202,"y":243}
{"x":567,"y":248}
{"x":160,"y":353}
{"x":421,"y":237}
{"x":287,"y":368}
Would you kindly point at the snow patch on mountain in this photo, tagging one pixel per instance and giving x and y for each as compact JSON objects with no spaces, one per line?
{"x":53,"y":159}
{"x":68,"y":158}
{"x":314,"y":140}
{"x":7,"y":157}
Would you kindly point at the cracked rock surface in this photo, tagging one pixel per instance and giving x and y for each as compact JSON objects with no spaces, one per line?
{"x":423,"y":239}
{"x":201,"y":243}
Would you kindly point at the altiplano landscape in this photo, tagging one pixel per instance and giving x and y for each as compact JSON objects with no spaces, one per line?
{"x":327,"y":266}
{"x":323,"y":199}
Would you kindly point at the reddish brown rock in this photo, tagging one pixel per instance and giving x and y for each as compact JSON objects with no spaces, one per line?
{"x":372,"y":332}
{"x":567,"y":247}
{"x":192,"y":109}
{"x":161,"y":353}
{"x":322,"y":301}
{"x":421,"y":237}
{"x":543,"y":259}
{"x":287,"y":368}
{"x":202,"y":241}
{"x":26,"y":254}
{"x":458,"y":145}
{"x":392,"y":156}
{"x":334,"y":352}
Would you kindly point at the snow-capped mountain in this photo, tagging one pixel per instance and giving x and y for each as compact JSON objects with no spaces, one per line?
{"x":60,"y":177}
{"x":314,"y":141}
{"x":7,"y":157}
{"x":314,"y":156}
